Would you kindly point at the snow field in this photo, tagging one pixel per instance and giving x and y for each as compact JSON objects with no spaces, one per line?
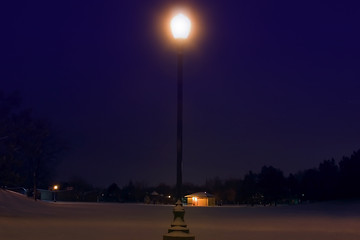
{"x":22,"y":218}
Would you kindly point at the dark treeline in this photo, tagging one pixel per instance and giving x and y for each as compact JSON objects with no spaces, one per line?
{"x":329,"y":181}
{"x":30,"y":150}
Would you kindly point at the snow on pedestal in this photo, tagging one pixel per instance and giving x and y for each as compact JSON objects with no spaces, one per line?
{"x":178,"y":229}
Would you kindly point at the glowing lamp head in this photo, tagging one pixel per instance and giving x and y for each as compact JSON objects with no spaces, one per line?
{"x":180,"y":26}
{"x":55,"y":187}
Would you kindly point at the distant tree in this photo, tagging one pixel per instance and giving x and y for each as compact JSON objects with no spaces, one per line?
{"x":140,"y":191}
{"x":81,"y":190}
{"x":350,"y":175}
{"x":134,"y":192}
{"x":249,"y":193}
{"x":292,"y":187}
{"x":29,"y":150}
{"x":310,"y":184}
{"x":11,"y":166}
{"x":272,"y":184}
{"x":164,"y":189}
{"x":329,"y":180}
{"x":128,"y":192}
{"x":112,"y":193}
{"x":232,"y":191}
{"x":216,"y":187}
{"x":80,"y":184}
{"x":189,"y":188}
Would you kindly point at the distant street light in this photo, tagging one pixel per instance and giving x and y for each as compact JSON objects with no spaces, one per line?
{"x":55,"y":188}
{"x":180,"y":28}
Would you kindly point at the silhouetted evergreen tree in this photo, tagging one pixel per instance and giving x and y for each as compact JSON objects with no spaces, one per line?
{"x":328,"y":180}
{"x":128,"y":192}
{"x":249,"y":189}
{"x":310,"y":184}
{"x":112,"y":194}
{"x":292,"y":187}
{"x":350,"y":175}
{"x":232,"y":191}
{"x":134,"y":192}
{"x":272,"y":184}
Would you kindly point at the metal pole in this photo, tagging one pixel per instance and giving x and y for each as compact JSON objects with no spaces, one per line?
{"x":179,"y":229}
{"x":179,"y":121}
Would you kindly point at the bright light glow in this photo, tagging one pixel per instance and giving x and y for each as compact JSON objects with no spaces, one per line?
{"x":180,"y":26}
{"x":56,"y":187}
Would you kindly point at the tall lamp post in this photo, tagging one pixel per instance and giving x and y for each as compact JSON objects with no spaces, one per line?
{"x":180,"y":28}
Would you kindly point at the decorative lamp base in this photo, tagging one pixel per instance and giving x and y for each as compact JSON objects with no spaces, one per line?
{"x":178,"y":229}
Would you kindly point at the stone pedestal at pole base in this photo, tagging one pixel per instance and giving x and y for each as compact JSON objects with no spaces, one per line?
{"x":178,"y":229}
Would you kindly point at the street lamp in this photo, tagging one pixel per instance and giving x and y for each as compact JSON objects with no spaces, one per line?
{"x":180,"y":28}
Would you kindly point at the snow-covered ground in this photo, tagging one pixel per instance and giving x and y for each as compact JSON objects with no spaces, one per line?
{"x":22,"y":218}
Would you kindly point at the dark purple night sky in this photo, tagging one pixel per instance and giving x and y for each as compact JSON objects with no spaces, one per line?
{"x":265,"y":83}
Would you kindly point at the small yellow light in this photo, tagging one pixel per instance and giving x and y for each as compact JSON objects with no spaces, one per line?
{"x":56,"y":187}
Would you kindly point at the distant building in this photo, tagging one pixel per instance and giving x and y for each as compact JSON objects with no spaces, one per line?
{"x":200,"y":199}
{"x":156,"y":198}
{"x":45,"y":195}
